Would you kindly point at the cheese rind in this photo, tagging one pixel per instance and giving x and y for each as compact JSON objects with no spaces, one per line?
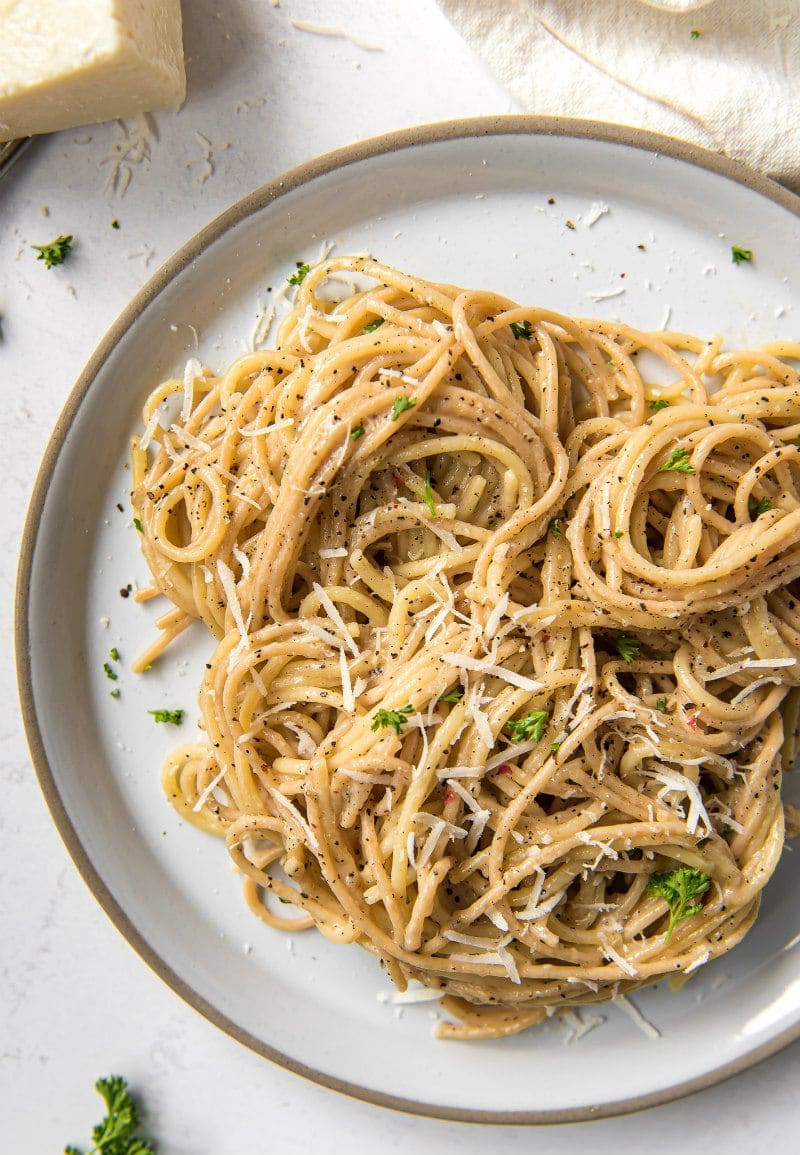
{"x":70,"y":62}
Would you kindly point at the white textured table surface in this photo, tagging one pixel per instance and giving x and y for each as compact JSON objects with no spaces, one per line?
{"x":75,"y":1001}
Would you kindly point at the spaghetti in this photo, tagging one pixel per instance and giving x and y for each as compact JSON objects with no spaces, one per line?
{"x":508,"y":658}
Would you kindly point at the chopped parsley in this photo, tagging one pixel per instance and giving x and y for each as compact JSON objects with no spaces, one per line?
{"x":679,"y":888}
{"x":531,"y":728}
{"x":375,"y":325}
{"x":628,"y":646}
{"x":555,"y":747}
{"x":357,"y":432}
{"x":110,"y":671}
{"x":522,"y":330}
{"x":116,"y":1133}
{"x":394,"y":718}
{"x":618,"y":533}
{"x":113,"y":653}
{"x":695,"y":34}
{"x":738,"y":254}
{"x":758,"y":506}
{"x":555,"y":527}
{"x":657,"y":405}
{"x":426,"y":494}
{"x":677,"y":462}
{"x":137,"y":521}
{"x":115,"y":223}
{"x":174,"y":717}
{"x":400,"y":406}
{"x":115,"y":693}
{"x":54,"y":253}
{"x":453,"y":696}
{"x":661,"y":705}
{"x":302,"y":272}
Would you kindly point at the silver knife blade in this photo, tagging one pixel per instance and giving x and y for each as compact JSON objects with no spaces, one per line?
{"x":11,"y":150}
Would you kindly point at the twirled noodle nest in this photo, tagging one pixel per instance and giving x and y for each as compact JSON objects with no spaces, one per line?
{"x":508,"y":633}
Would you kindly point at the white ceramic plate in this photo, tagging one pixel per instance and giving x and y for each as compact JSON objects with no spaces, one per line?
{"x":484,"y":203}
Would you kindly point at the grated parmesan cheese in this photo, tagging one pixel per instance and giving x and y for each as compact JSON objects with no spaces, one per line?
{"x":485,"y":666}
{"x":332,"y":612}
{"x":192,"y":370}
{"x":636,"y":1016}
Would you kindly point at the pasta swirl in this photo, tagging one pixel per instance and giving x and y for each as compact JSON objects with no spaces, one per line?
{"x":508,"y":633}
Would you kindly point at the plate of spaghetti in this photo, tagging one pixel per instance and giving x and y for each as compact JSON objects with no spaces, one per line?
{"x":432,"y":624}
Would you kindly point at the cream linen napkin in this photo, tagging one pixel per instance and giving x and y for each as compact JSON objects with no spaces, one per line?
{"x":732,"y":86}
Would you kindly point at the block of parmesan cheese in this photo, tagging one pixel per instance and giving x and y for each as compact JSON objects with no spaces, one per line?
{"x":70,"y":62}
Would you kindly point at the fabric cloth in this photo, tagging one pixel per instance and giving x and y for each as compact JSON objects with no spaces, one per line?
{"x":724,"y":74}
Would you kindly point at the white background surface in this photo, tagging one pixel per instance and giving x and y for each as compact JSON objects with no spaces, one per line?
{"x":75,"y":1001}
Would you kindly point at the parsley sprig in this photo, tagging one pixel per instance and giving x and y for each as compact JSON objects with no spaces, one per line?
{"x":374,"y":325}
{"x":394,"y":718}
{"x":658,"y":404}
{"x":679,"y":889}
{"x":115,"y":1134}
{"x":302,"y":272}
{"x":453,"y":696}
{"x":738,"y":254}
{"x":531,"y":728}
{"x":522,"y":330}
{"x":400,"y":405}
{"x":174,"y":717}
{"x":628,"y":646}
{"x":56,"y":252}
{"x":677,"y":462}
{"x":426,"y":494}
{"x":757,"y":506}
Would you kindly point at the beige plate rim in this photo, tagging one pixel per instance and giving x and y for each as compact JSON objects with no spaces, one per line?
{"x":252,"y":203}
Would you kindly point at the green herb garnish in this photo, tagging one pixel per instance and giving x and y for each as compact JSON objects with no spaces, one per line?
{"x":661,"y":705}
{"x":394,"y":718}
{"x":530,"y":728}
{"x":137,"y":521}
{"x":426,"y":494}
{"x":174,"y":717}
{"x":400,"y":406}
{"x":357,"y":432}
{"x":115,"y":1135}
{"x":522,"y":330}
{"x":302,"y":272}
{"x":453,"y":696}
{"x":375,"y":325}
{"x":56,"y":252}
{"x":695,"y":34}
{"x":555,"y":527}
{"x":628,"y":646}
{"x":618,"y":533}
{"x":758,"y":506}
{"x":555,"y":747}
{"x":110,"y":671}
{"x":677,"y":462}
{"x":113,"y":653}
{"x":679,"y":888}
{"x":659,"y":404}
{"x":115,"y":693}
{"x":739,"y":254}
{"x":115,"y":223}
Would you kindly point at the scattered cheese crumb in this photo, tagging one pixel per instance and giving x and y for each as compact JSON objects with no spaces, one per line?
{"x":606,"y":294}
{"x":340,"y":33}
{"x":594,"y":214}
